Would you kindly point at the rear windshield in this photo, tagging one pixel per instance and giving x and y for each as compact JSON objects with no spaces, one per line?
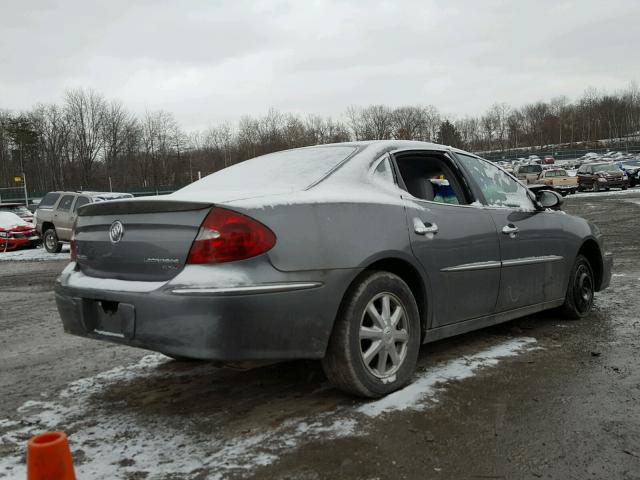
{"x":556,"y":173}
{"x":48,"y":200}
{"x":289,"y":170}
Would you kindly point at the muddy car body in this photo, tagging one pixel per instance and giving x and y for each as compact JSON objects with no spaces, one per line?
{"x":352,"y":253}
{"x":601,"y":176}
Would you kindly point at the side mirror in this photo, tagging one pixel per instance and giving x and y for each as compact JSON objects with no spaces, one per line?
{"x":549,"y":199}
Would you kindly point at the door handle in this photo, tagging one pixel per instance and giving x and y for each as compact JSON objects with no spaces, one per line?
{"x":422,"y":228}
{"x":511,"y":230}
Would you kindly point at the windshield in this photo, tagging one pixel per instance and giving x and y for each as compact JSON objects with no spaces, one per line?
{"x":289,"y":170}
{"x":631,"y":163}
{"x":530,"y":169}
{"x":17,"y":209}
{"x":606,"y":167}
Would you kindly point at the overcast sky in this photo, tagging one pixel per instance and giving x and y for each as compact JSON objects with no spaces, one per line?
{"x":211,"y":61}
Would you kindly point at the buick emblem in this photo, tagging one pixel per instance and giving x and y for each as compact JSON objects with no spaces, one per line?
{"x":116,"y":231}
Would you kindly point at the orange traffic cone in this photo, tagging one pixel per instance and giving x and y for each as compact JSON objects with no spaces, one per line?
{"x":49,"y":457}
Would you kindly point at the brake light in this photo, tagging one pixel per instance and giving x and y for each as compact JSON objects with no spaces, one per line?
{"x":227,"y":236}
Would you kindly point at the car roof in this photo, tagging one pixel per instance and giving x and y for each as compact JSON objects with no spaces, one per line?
{"x":11,"y":204}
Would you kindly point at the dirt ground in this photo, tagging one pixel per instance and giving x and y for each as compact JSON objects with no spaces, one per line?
{"x":538,"y":397}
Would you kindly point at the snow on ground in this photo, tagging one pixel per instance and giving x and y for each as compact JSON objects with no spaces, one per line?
{"x":108,"y":437}
{"x":425,"y":386}
{"x":35,"y":255}
{"x":630,"y":191}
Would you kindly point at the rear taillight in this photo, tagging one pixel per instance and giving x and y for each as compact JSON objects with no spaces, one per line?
{"x":227,"y":236}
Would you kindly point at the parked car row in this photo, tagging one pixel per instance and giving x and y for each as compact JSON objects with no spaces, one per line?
{"x":51,"y":223}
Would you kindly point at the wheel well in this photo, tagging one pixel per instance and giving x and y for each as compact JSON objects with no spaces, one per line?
{"x":46,"y":226}
{"x":411,"y":277}
{"x":591,"y":250}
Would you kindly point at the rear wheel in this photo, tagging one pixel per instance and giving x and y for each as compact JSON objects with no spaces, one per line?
{"x":580,"y":292}
{"x":373,"y":349}
{"x":50,"y":240}
{"x":624,"y":187}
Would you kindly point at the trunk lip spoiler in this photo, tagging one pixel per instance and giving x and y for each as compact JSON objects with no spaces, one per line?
{"x":128,"y":207}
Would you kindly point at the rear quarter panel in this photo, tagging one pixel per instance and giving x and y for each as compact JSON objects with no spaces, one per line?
{"x":334,"y":234}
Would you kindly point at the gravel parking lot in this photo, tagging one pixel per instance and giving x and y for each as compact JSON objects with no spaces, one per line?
{"x":539,"y":397}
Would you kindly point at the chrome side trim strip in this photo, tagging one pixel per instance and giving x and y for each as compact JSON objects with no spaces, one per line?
{"x":248,"y":289}
{"x":531,"y":260}
{"x":109,"y":334}
{"x":473,"y":266}
{"x":466,"y":267}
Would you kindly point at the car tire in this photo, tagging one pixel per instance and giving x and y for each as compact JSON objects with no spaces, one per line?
{"x":351,"y":362}
{"x":581,"y":289}
{"x":624,"y":187}
{"x":50,"y":241}
{"x":596,"y":187}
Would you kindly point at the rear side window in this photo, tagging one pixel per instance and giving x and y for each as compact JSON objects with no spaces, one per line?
{"x":49,"y":200}
{"x":65,"y":203}
{"x":80,"y":202}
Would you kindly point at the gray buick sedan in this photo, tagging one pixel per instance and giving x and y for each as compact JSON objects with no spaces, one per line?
{"x":353,"y":253}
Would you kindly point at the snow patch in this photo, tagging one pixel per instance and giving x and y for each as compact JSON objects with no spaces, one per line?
{"x":35,"y":255}
{"x":425,"y":385}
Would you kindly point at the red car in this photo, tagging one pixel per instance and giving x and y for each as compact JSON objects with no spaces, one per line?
{"x":549,"y":160}
{"x":16,"y":233}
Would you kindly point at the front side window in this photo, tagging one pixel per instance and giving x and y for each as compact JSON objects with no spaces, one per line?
{"x":65,"y":202}
{"x":499,"y":189}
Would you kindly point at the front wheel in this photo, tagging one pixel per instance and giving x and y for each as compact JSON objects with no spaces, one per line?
{"x":580,"y":292}
{"x":50,"y":240}
{"x":373,"y":349}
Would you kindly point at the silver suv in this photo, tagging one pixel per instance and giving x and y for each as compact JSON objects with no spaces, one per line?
{"x":57,"y":212}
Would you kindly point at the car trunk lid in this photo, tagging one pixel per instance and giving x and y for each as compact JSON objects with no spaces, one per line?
{"x":143,"y":240}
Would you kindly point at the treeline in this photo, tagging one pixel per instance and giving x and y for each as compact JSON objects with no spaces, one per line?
{"x":91,"y":142}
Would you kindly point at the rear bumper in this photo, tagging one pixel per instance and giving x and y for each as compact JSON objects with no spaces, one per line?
{"x":294,"y":319}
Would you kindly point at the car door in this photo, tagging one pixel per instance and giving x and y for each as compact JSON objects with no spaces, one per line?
{"x":532,"y":242}
{"x":63,"y":217}
{"x":456,"y":243}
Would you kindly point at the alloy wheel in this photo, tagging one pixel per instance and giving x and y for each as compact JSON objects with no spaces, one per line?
{"x":583,"y":288}
{"x":384,"y":335}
